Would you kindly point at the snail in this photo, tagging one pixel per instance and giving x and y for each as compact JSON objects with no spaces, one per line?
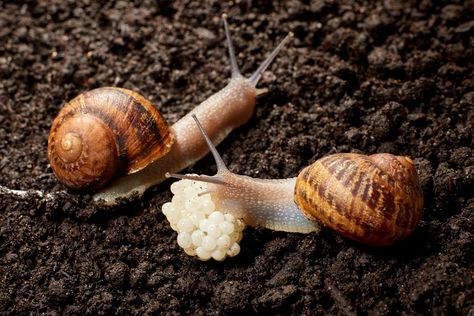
{"x":95,"y":136}
{"x":375,"y":200}
{"x":108,"y":132}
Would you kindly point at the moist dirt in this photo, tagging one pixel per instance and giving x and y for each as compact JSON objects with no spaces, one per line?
{"x":359,"y":76}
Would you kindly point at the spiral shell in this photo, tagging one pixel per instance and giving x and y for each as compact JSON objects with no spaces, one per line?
{"x":103,"y":133}
{"x":375,"y":200}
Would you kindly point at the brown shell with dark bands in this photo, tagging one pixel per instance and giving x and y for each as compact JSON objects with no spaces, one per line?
{"x":103,"y":133}
{"x":375,"y":200}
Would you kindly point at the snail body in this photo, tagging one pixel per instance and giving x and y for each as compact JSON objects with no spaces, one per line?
{"x":375,"y":200}
{"x":182,"y":146}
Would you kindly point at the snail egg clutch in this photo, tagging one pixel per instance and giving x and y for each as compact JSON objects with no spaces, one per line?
{"x":103,"y":133}
{"x":203,"y":230}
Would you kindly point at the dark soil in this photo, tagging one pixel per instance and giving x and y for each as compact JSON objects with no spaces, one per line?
{"x":358,"y":77}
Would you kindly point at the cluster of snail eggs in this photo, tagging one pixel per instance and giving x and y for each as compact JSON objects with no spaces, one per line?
{"x":203,"y":231}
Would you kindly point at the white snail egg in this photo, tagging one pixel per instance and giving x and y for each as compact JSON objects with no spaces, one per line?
{"x":223,"y":241}
{"x":184,"y":240}
{"x":229,"y":218}
{"x":234,"y":250}
{"x":204,"y":224}
{"x":203,"y":254}
{"x":207,"y":206}
{"x":216,"y":217}
{"x":197,"y":237}
{"x":214,"y":231}
{"x":202,"y":230}
{"x":177,"y":186}
{"x":177,"y":201}
{"x":226,"y":228}
{"x":219,"y":254}
{"x":209,"y":243}
{"x":190,"y":251}
{"x":185,"y":225}
{"x":196,"y":217}
{"x":167,"y":207}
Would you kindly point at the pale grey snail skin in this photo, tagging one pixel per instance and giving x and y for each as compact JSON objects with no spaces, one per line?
{"x":222,"y":112}
{"x":375,"y":200}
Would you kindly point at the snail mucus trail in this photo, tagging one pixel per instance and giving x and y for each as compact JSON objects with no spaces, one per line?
{"x":222,"y":112}
{"x":376,"y":200}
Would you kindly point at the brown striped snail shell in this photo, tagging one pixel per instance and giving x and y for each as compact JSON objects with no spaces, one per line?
{"x":375,"y":200}
{"x":103,"y":133}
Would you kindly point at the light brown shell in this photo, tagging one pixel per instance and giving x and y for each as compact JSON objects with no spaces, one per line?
{"x":104,"y":133}
{"x":375,"y":200}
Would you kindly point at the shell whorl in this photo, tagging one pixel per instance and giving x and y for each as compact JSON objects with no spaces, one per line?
{"x":376,"y":199}
{"x":103,"y":133}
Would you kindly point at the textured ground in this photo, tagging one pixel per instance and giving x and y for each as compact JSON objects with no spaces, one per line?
{"x":377,"y":77}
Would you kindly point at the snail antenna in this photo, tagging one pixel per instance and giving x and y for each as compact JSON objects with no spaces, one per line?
{"x":221,"y":167}
{"x":233,"y":61}
{"x":253,"y":80}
